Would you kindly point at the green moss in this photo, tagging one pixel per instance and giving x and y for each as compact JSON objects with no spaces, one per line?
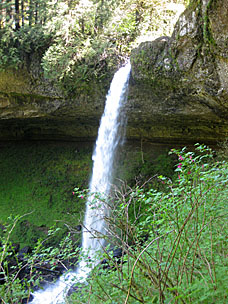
{"x":22,"y":98}
{"x":139,"y":165}
{"x":39,"y":179}
{"x":207,"y":34}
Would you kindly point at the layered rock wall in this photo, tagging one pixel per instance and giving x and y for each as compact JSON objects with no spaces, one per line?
{"x":32,"y":108}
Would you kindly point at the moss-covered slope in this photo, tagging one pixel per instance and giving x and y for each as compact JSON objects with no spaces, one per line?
{"x":38,"y":179}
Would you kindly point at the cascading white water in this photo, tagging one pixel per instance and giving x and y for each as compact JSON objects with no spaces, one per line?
{"x":94,"y":223}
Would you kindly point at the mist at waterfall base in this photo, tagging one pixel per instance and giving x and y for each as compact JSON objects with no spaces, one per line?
{"x":109,"y":135}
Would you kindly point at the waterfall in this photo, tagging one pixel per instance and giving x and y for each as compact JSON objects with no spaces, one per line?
{"x":109,"y":135}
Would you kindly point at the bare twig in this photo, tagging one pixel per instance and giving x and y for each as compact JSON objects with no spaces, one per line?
{"x":136,"y":261}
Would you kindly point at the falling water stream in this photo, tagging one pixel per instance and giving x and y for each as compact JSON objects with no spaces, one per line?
{"x":109,"y":136}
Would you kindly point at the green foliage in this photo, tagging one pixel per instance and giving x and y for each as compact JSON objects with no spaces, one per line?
{"x":79,"y":42}
{"x":31,"y":40}
{"x":174,"y":241}
{"x":81,"y":61}
{"x":9,"y":55}
{"x":17,"y":48}
{"x":80,"y":50}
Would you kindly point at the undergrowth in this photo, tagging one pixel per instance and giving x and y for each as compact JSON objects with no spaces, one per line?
{"x":174,"y":242}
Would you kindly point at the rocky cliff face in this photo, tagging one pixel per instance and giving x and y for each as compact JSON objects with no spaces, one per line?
{"x":31,"y":108}
{"x":178,"y":89}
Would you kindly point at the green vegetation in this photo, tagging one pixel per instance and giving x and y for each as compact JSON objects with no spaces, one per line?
{"x":207,"y":35}
{"x":39,"y":178}
{"x":174,"y":241}
{"x":79,"y":41}
{"x":37,"y":185}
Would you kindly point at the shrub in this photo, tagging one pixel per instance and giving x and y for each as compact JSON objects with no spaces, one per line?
{"x":174,"y":242}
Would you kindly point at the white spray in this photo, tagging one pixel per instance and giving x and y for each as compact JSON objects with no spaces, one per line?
{"x":109,"y":135}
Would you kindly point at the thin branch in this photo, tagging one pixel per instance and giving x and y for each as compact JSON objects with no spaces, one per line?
{"x":136,"y":261}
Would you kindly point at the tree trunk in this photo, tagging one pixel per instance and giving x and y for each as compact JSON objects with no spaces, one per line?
{"x":22,"y":13}
{"x":31,"y":12}
{"x":17,"y":18}
{"x":36,"y":12}
{"x":1,"y":15}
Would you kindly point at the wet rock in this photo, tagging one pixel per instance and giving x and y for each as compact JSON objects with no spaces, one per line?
{"x":115,"y":256}
{"x":78,"y":227}
{"x":28,"y":299}
{"x":23,"y":252}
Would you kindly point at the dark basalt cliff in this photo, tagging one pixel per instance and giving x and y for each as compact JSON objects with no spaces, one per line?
{"x":178,"y":89}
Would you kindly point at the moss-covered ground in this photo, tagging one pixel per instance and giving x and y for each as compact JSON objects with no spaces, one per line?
{"x":39,"y":178}
{"x":139,"y":162}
